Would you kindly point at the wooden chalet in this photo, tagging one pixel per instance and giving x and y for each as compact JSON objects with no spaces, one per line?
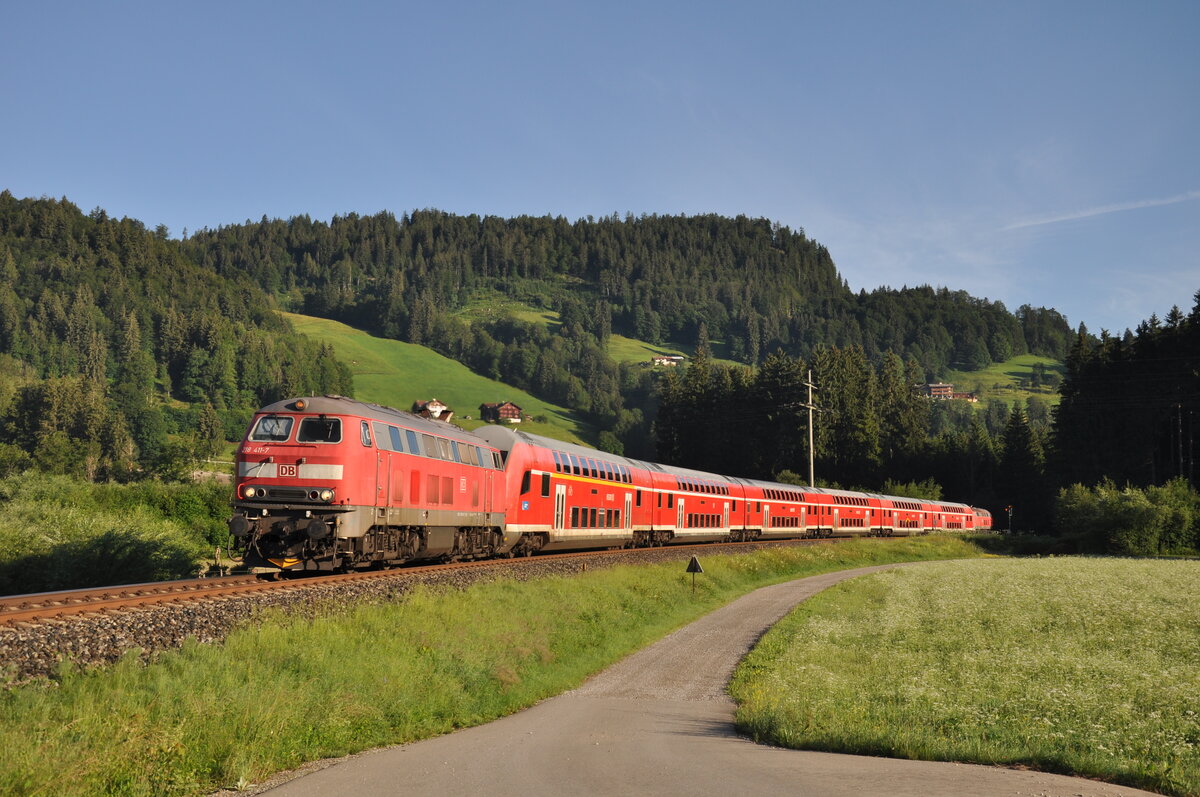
{"x":503,"y":412}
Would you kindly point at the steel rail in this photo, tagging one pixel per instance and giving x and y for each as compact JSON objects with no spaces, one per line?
{"x":53,"y":606}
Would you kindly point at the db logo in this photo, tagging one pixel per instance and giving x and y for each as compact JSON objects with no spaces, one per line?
{"x":288,"y":470}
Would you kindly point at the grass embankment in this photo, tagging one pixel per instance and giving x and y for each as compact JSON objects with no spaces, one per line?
{"x":396,"y":374}
{"x":1084,"y":666}
{"x":63,"y":533}
{"x":285,"y":692}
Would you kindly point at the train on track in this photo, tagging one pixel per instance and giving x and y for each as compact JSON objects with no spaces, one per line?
{"x":329,"y":484}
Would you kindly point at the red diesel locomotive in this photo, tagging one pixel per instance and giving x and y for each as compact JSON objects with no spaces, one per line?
{"x":329,"y":483}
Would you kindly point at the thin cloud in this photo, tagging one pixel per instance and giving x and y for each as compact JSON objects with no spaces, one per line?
{"x":1103,"y":209}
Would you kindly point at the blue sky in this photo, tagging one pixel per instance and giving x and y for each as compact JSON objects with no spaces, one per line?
{"x":1032,"y":152}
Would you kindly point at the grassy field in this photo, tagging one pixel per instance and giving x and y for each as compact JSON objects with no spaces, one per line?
{"x":396,"y":374}
{"x":1084,"y":666}
{"x":492,"y":305}
{"x":284,"y":692}
{"x":1003,"y":380}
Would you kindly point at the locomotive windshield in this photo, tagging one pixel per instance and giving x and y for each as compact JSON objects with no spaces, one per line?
{"x":320,"y":430}
{"x":272,"y":429}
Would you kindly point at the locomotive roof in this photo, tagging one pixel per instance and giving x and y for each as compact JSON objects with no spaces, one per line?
{"x":340,"y":405}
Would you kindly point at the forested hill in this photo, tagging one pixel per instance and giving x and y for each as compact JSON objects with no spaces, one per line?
{"x":111,"y":338}
{"x":757,"y":285}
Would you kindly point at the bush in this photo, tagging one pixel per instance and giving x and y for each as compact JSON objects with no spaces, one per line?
{"x":67,"y":533}
{"x":1132,"y":521}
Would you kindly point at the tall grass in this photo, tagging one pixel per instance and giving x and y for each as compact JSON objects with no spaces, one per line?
{"x":1086,"y":666}
{"x":64,"y":533}
{"x":289,"y":691}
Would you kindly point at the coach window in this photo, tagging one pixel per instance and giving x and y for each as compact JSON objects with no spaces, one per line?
{"x":670,"y":500}
{"x":525,"y":482}
{"x":545,"y":485}
{"x":320,"y":430}
{"x":574,"y":464}
{"x":592,"y":517}
{"x":574,"y":517}
{"x":557,"y":464}
{"x":639,"y":497}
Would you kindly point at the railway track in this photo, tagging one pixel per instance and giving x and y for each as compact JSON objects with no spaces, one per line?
{"x":37,"y":608}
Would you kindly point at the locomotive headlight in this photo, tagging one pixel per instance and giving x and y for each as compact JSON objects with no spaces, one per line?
{"x":248,"y":491}
{"x":327,"y":495}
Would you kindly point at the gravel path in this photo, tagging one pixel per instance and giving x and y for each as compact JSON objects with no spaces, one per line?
{"x":659,"y":723}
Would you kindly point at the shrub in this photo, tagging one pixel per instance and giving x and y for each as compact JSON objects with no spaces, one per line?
{"x":1131,"y":521}
{"x":68,"y":533}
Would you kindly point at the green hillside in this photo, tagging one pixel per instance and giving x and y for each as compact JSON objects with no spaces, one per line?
{"x":1010,"y":380}
{"x":396,"y":374}
{"x":492,"y":305}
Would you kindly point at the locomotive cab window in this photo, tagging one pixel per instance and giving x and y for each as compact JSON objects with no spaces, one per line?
{"x":272,"y":429}
{"x":366,"y":434}
{"x":320,"y":430}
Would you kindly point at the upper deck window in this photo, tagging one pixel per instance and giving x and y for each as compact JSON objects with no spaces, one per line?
{"x":320,"y":430}
{"x":272,"y":429}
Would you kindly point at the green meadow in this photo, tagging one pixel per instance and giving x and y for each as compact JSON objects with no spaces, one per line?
{"x":396,"y":374}
{"x":1004,"y":380}
{"x":1080,"y":666}
{"x":283,"y":691}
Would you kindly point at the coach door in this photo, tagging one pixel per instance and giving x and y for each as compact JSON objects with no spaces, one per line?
{"x":727,"y":516}
{"x":804,"y":518}
{"x":628,"y":511}
{"x":679,"y":514}
{"x":766,"y":519}
{"x":560,"y":505}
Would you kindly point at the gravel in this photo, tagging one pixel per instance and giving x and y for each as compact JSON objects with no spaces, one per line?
{"x":38,"y":651}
